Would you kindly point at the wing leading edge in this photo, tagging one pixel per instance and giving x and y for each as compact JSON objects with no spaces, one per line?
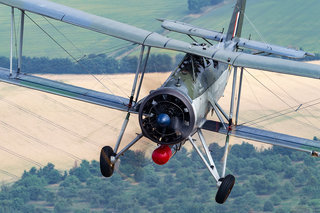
{"x":66,"y":90}
{"x":264,"y":136}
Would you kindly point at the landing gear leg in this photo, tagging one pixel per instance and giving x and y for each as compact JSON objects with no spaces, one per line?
{"x":108,"y":156}
{"x":224,"y":183}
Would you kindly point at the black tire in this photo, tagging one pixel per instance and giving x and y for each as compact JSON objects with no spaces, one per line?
{"x":225,"y":189}
{"x":106,"y":167}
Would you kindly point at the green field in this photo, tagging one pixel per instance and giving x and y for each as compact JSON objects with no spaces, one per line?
{"x":290,"y":23}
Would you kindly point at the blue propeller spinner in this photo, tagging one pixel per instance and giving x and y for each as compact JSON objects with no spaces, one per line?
{"x":163,"y":120}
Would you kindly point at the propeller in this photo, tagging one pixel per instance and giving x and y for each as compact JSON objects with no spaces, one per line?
{"x":166,"y":117}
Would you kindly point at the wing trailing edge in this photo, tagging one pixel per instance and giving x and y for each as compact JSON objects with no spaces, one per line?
{"x":66,"y":90}
{"x":264,"y":136}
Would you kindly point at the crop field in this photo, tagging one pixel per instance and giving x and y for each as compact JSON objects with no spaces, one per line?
{"x":37,"y":128}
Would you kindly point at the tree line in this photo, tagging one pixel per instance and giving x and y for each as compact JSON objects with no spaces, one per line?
{"x":92,"y":64}
{"x":274,"y":180}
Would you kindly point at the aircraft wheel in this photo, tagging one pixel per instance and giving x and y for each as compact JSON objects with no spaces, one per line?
{"x":106,"y":167}
{"x":225,"y":189}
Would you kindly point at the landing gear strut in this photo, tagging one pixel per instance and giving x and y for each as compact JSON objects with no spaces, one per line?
{"x":108,"y":156}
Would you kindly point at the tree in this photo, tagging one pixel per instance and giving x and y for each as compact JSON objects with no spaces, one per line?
{"x":62,"y":206}
{"x":51,"y":175}
{"x":69,"y":187}
{"x":82,"y":172}
{"x":268,"y":206}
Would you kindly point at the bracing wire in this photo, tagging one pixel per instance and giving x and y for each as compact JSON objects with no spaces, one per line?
{"x":69,"y":40}
{"x":282,"y":112}
{"x":279,"y":112}
{"x":104,"y":123}
{"x":295,"y":100}
{"x":267,"y":88}
{"x":77,"y":61}
{"x":254,"y":27}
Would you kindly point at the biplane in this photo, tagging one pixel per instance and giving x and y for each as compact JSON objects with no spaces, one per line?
{"x":171,"y":115}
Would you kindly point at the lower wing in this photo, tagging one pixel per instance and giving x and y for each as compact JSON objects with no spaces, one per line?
{"x":66,"y":90}
{"x":264,"y":136}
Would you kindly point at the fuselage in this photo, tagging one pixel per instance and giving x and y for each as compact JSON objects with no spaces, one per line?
{"x":202,"y":80}
{"x":180,"y":106}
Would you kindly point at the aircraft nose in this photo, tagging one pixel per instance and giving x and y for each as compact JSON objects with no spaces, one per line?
{"x":163,"y":120}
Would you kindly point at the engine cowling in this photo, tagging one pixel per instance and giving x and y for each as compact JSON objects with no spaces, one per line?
{"x":166,"y":116}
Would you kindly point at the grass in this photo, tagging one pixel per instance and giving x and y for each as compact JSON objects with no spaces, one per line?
{"x":289,"y":23}
{"x":139,"y":13}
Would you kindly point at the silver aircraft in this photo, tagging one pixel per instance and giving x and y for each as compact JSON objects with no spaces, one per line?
{"x":171,"y":115}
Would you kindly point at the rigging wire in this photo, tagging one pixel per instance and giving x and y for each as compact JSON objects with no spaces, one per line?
{"x":310,"y":123}
{"x":267,"y":88}
{"x":255,"y":29}
{"x":79,"y":50}
{"x":117,"y":48}
{"x":79,"y":112}
{"x":253,"y":93}
{"x":77,"y":61}
{"x":104,"y":123}
{"x":295,"y":100}
{"x":279,"y":112}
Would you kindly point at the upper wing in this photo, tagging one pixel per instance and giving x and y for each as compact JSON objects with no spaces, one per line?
{"x":66,"y":90}
{"x":272,"y":49}
{"x":265,"y":136}
{"x":188,"y":29}
{"x":278,"y":65}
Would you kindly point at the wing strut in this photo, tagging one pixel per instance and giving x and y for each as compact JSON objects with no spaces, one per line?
{"x":11,"y":40}
{"x":226,"y":146}
{"x":239,"y":97}
{"x":141,"y":68}
{"x":21,"y":41}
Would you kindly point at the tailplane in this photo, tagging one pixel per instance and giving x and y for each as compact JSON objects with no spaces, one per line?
{"x":236,"y":22}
